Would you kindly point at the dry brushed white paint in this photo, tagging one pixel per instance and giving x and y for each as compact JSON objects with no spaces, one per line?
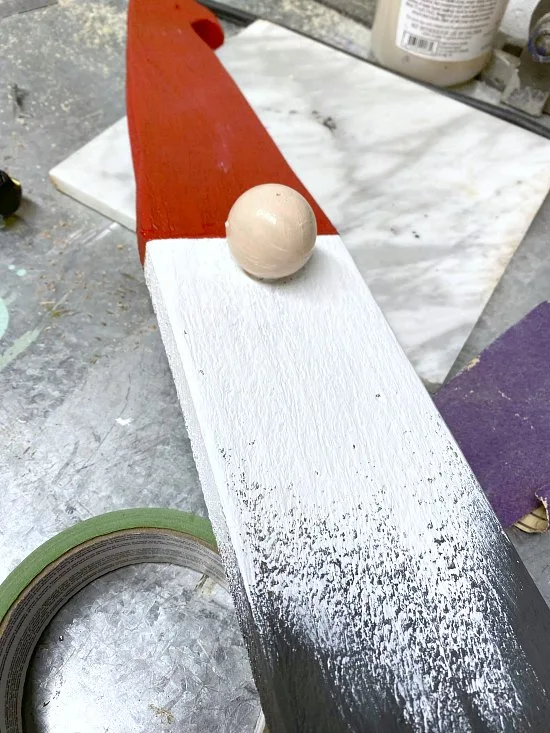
{"x":340,"y":501}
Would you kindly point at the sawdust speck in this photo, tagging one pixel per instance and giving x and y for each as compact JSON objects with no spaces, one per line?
{"x":99,"y":25}
{"x":165,"y":715}
{"x":471,"y":364}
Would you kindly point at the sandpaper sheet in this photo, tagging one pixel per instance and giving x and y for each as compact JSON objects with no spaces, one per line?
{"x":498,"y":409}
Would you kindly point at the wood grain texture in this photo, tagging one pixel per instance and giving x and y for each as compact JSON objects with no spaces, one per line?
{"x":374,"y":585}
{"x":197,"y":145}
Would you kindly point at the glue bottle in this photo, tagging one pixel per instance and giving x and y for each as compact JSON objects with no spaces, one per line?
{"x":443,"y":42}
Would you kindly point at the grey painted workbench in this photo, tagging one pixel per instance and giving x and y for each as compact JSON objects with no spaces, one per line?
{"x":89,"y":419}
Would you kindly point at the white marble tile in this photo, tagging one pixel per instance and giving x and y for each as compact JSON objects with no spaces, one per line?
{"x":101,"y":175}
{"x":432,"y":197}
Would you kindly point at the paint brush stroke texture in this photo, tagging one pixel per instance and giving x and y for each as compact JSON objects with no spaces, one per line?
{"x":499,"y":412}
{"x":375,"y":587}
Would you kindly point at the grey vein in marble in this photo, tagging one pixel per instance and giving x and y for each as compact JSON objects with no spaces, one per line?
{"x":432,"y":197}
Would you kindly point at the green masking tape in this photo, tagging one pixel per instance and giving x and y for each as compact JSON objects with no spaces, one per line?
{"x":36,"y":590}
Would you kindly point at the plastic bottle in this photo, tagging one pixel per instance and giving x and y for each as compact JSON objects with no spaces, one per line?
{"x":443,"y":42}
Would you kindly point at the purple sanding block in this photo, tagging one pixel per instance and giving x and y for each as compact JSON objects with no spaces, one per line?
{"x":498,"y":409}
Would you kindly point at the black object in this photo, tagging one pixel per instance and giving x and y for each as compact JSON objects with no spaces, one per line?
{"x":223,"y":11}
{"x":10,"y":194}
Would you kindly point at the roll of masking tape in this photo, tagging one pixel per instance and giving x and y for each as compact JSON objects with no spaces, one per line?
{"x":37,"y":589}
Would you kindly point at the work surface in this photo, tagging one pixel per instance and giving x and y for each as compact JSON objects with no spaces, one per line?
{"x":89,"y":419}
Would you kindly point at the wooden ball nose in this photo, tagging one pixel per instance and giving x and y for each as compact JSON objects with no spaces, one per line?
{"x":271,"y":231}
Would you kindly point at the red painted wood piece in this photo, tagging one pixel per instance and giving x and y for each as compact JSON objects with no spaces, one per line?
{"x":197,"y":145}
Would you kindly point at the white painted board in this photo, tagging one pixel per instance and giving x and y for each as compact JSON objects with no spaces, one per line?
{"x":357,"y":541}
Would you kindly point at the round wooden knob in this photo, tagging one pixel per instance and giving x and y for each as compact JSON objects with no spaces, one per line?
{"x":271,"y":231}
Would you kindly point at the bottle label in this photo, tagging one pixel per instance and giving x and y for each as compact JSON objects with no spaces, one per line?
{"x":448,"y":30}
